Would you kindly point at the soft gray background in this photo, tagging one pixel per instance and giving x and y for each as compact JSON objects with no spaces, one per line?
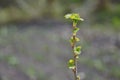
{"x":34,"y":39}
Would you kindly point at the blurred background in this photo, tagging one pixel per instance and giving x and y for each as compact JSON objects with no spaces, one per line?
{"x":34,"y":39}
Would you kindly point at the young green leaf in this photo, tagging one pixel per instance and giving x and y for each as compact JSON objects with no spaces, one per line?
{"x":71,"y":64}
{"x":75,"y":30}
{"x":77,"y":39}
{"x":67,"y":16}
{"x":72,"y":40}
{"x":77,"y":50}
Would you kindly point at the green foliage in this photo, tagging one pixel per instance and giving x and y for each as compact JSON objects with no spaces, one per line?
{"x":74,"y":17}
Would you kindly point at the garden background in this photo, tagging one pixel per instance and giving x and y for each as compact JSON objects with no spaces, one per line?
{"x":34,"y":39}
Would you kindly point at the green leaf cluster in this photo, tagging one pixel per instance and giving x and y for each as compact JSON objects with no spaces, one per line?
{"x":73,"y":16}
{"x":77,"y":50}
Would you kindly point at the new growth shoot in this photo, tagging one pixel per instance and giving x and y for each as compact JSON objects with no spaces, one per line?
{"x":72,"y":63}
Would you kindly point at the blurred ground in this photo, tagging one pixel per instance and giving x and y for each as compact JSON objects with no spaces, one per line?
{"x":40,"y":52}
{"x":34,"y":39}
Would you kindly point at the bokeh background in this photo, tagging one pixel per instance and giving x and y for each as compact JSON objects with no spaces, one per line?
{"x":34,"y":39}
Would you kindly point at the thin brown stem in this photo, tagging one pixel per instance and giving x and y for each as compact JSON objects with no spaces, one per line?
{"x":75,"y":61}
